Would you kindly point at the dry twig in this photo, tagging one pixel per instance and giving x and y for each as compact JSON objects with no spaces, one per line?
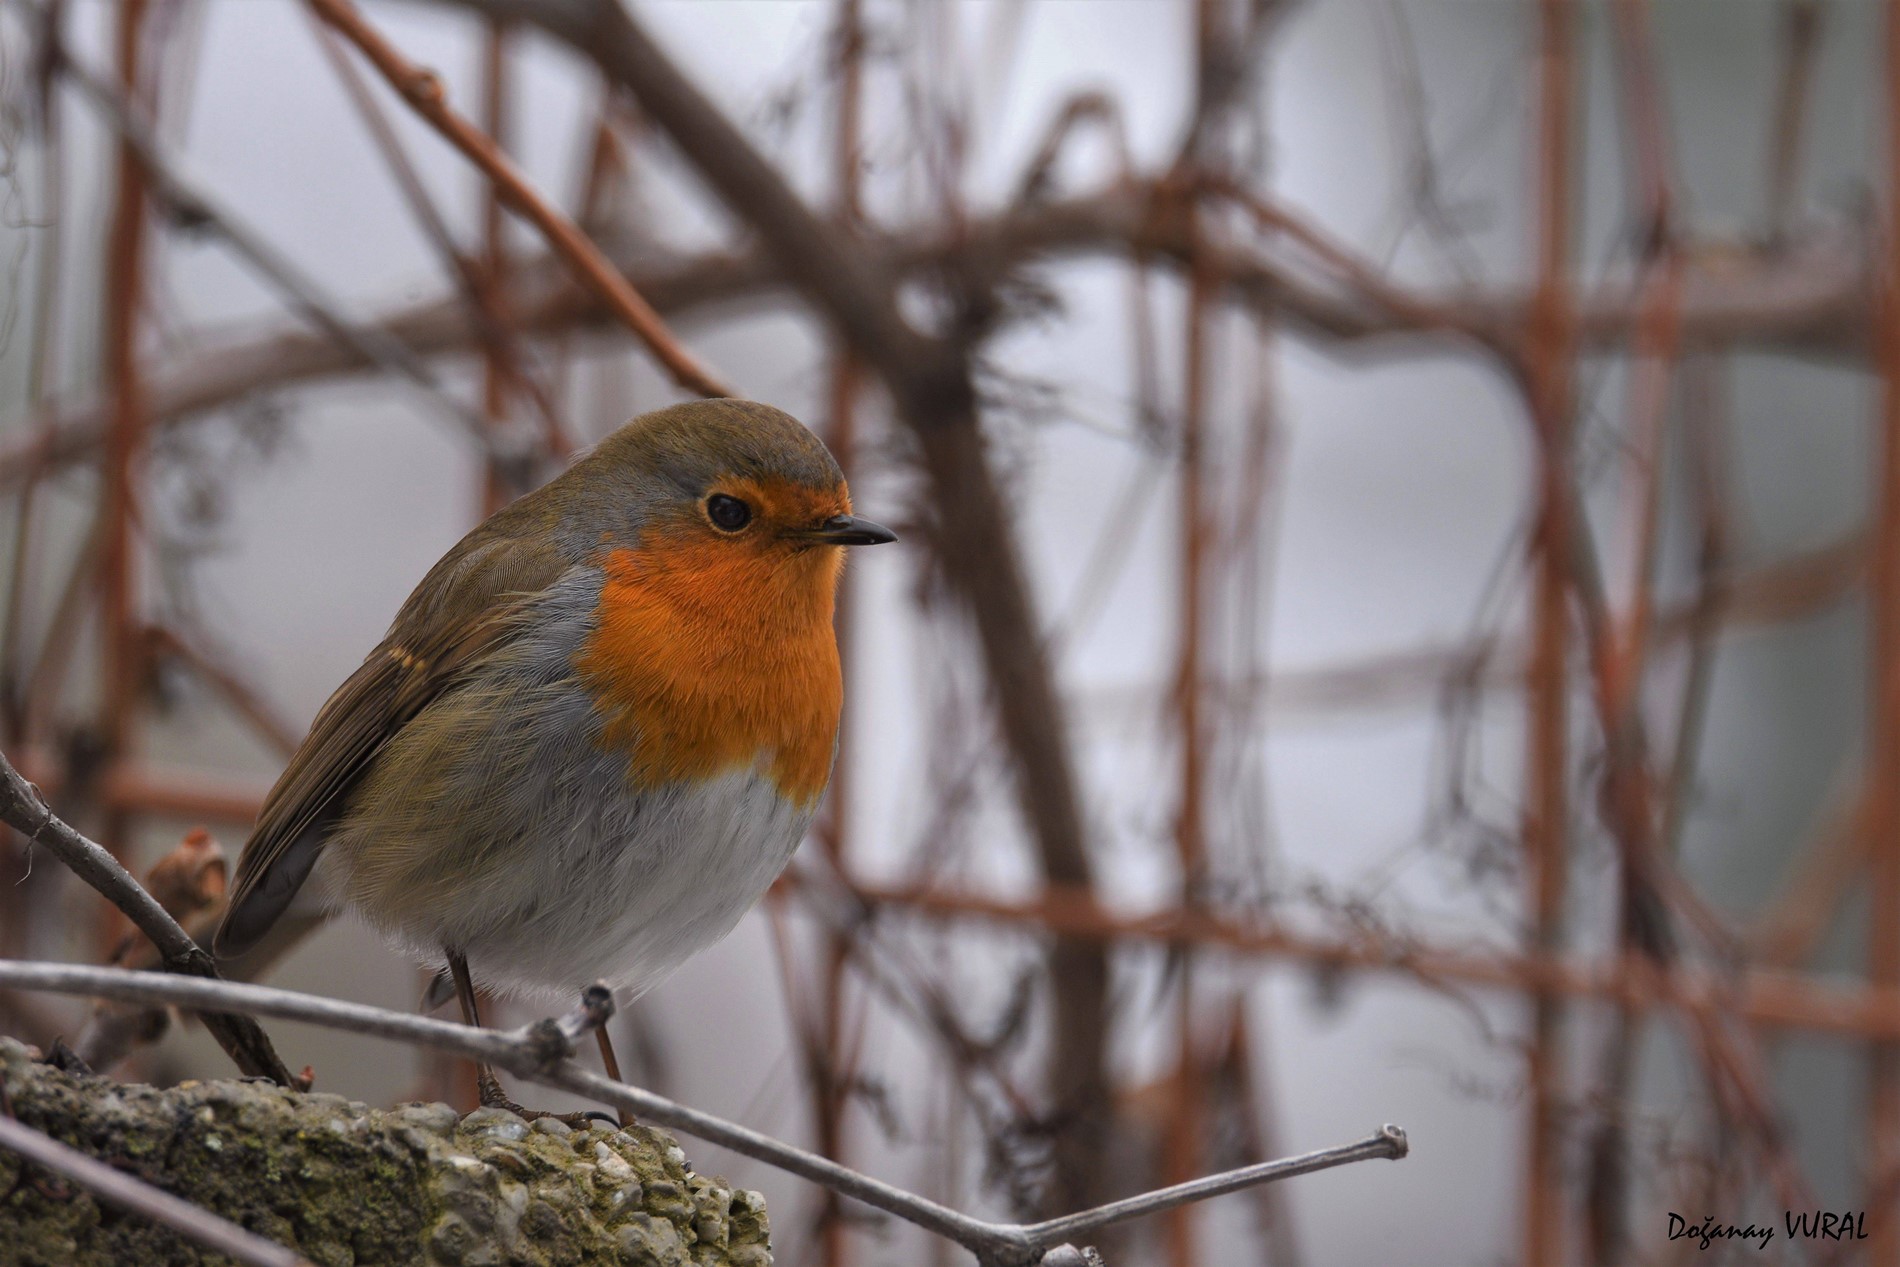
{"x":541,"y":1052}
{"x":22,"y":808}
{"x":138,"y":1197}
{"x":188,"y":204}
{"x":423,"y":91}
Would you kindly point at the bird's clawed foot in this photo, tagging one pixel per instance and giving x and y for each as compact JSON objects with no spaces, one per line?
{"x":597,"y":1005}
{"x":488,"y":1090}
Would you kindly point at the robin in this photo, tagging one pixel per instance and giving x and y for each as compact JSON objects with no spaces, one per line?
{"x":597,"y":729}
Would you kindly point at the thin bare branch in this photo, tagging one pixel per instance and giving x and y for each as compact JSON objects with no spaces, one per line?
{"x":540,"y":1052}
{"x":1802,"y":22}
{"x":189,"y":204}
{"x":1810,"y":301}
{"x":132,"y":1194}
{"x":1764,"y":997}
{"x":1882,"y":817}
{"x":424,"y":92}
{"x":496,"y":333}
{"x":1550,"y":370}
{"x":22,"y":808}
{"x":1388,"y":1142}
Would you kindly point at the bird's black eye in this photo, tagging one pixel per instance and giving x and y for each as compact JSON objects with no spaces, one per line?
{"x":728,"y":514}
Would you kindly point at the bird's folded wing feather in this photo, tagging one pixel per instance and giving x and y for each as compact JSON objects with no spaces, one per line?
{"x":472,"y":602}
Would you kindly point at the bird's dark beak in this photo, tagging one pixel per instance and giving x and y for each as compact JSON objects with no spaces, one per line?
{"x":850,"y":530}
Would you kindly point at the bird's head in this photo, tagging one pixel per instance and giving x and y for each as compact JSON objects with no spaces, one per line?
{"x":730,"y":492}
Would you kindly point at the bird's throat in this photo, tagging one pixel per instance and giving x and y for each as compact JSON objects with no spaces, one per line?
{"x":705,"y":658}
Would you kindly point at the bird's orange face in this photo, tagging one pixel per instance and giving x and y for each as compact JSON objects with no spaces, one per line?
{"x":769,"y":523}
{"x":713,"y":647}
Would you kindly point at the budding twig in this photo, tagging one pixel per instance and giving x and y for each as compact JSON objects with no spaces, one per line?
{"x":540,"y":1053}
{"x":23,"y":809}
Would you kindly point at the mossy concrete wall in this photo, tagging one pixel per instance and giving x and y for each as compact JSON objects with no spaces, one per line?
{"x":352,"y":1186}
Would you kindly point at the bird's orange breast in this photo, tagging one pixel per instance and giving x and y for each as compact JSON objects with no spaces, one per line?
{"x":706,"y":658}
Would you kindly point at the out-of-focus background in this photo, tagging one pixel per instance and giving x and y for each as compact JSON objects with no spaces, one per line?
{"x":1396,"y":499}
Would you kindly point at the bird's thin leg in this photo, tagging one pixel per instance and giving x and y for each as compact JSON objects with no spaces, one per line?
{"x":486,"y":1087}
{"x":612,"y":1064}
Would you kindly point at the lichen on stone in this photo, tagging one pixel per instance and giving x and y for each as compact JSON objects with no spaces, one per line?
{"x":352,"y":1186}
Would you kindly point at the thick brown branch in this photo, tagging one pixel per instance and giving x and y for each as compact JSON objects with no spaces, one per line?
{"x":929,"y":377}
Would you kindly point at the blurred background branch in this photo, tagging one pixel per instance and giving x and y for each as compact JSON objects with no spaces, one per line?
{"x":1399,"y":523}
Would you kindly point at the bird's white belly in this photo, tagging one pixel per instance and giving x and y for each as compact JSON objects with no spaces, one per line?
{"x":639,"y":886}
{"x":627,"y":886}
{"x":601,"y":883}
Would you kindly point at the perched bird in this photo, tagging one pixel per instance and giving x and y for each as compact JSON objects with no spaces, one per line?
{"x":597,"y":729}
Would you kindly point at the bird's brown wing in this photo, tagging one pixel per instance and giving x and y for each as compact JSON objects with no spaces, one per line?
{"x":471,"y":602}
